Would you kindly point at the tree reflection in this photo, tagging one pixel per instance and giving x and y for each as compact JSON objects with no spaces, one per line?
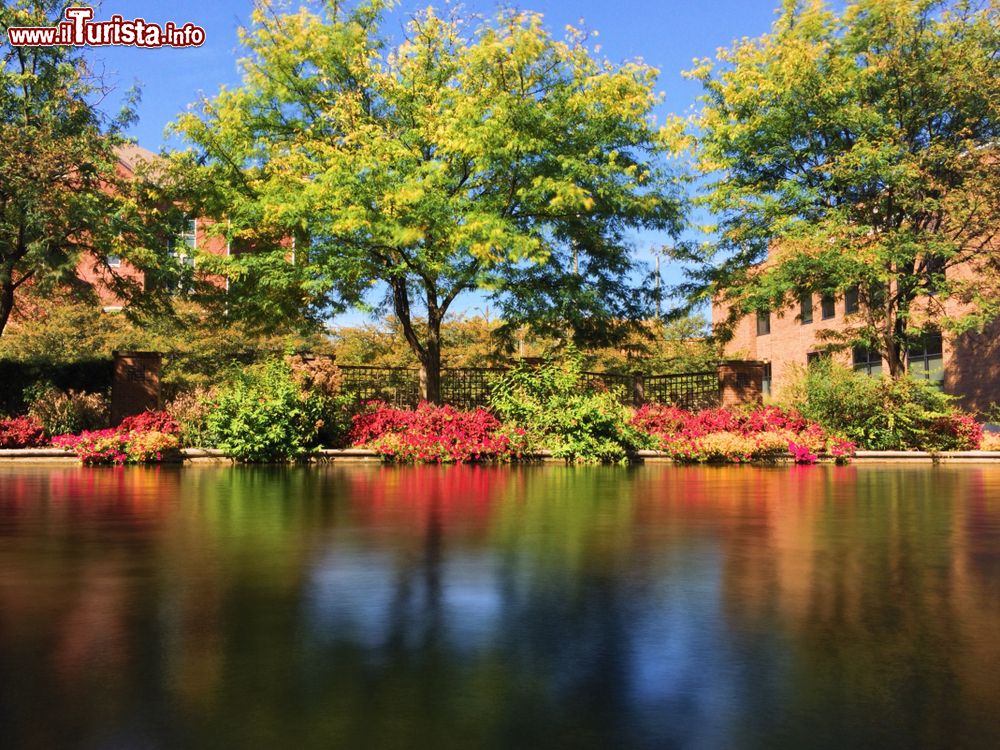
{"x":473,"y":606}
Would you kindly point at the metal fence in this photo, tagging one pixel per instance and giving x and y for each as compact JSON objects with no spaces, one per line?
{"x":690,"y":390}
{"x":470,"y":387}
{"x":399,"y":386}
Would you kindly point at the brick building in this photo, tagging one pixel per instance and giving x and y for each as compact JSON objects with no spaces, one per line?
{"x":192,"y":237}
{"x":966,"y":365}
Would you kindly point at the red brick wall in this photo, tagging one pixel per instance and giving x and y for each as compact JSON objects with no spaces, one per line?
{"x":971,"y":361}
{"x":97,"y":276}
{"x":788,"y":344}
{"x":94,"y":274}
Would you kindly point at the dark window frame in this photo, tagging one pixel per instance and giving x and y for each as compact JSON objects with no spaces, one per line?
{"x":806,"y":309}
{"x":763,"y":323}
{"x":864,"y":359}
{"x":851,"y":300}
{"x":930,"y":351}
{"x":828,"y":306}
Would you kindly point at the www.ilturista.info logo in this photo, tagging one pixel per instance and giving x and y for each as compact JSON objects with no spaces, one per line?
{"x":79,"y":30}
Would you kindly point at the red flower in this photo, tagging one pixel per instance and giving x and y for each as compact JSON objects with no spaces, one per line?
{"x":21,"y":432}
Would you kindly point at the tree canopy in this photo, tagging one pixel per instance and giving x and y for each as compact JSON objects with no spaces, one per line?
{"x":466,"y":155}
{"x":62,"y":195}
{"x":856,"y":149}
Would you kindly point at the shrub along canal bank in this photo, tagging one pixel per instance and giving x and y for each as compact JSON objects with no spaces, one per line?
{"x":276,"y":413}
{"x":345,"y":455}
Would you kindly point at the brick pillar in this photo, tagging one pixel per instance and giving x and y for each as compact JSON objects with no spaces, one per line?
{"x":741,"y":382}
{"x":136,"y":384}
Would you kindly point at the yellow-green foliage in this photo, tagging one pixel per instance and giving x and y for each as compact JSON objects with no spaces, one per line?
{"x":855,"y":147}
{"x":467,"y":155}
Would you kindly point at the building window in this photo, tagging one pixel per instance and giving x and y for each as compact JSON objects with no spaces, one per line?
{"x":867,"y":361}
{"x":925,"y":360}
{"x":765,"y":382}
{"x":851,"y":300}
{"x":828,"y":306}
{"x":183,"y":246}
{"x":806,"y":308}
{"x":813,"y":357}
{"x":189,"y":235}
{"x":763,"y":323}
{"x":114,"y":261}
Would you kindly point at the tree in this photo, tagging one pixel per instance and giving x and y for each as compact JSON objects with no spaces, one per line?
{"x":460,"y":158}
{"x":860,"y":149}
{"x":62,"y":195}
{"x":467,"y":341}
{"x":666,"y":346}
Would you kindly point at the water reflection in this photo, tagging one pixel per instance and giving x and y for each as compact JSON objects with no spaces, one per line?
{"x":500,"y":607}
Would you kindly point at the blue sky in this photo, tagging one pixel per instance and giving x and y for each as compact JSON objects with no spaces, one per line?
{"x":667,"y":34}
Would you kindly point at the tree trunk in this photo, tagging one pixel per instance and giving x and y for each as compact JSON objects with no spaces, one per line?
{"x":895,"y":350}
{"x":430,"y":363}
{"x":897,"y":366}
{"x":6,"y":305}
{"x":430,"y":379}
{"x":429,"y":351}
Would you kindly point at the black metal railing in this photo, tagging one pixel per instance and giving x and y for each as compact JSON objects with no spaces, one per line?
{"x":399,"y":386}
{"x":471,"y":387}
{"x":689,"y":390}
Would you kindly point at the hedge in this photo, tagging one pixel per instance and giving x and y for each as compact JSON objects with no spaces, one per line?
{"x":16,"y":377}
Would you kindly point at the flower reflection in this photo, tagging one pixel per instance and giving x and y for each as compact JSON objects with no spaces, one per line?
{"x":654,"y":606}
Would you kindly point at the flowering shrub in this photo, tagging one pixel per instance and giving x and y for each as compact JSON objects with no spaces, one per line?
{"x":151,"y":446}
{"x":151,"y":421}
{"x":990,"y":441}
{"x":96,"y":447}
{"x":738,"y":435}
{"x":731,"y":447}
{"x":955,"y":432}
{"x":69,"y":412}
{"x":21,"y":432}
{"x":150,"y":437}
{"x":660,"y":419}
{"x":801,"y":453}
{"x":434,"y":434}
{"x":120,"y":446}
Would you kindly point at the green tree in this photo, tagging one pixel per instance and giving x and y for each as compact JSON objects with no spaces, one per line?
{"x":462,"y":157}
{"x":859,"y":148}
{"x":62,"y":195}
{"x":664,"y":346}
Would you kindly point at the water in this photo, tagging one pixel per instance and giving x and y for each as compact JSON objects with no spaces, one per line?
{"x":516,"y":607}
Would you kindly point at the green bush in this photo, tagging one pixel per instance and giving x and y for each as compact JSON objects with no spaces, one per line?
{"x":883,"y":413}
{"x":263,"y":415}
{"x":320,"y":377}
{"x":559,"y":413}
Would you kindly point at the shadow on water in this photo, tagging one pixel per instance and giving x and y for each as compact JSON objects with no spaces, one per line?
{"x":429,"y":607}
